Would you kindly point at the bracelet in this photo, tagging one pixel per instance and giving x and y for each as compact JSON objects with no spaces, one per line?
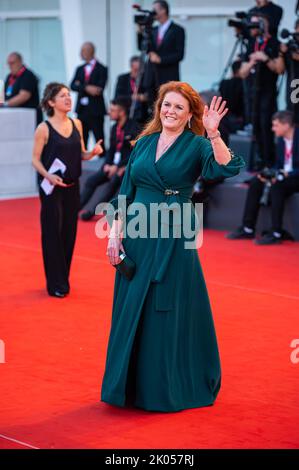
{"x":232,"y":154}
{"x":213,"y":137}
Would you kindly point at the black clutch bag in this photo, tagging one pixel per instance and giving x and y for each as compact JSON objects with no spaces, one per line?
{"x":126,"y":267}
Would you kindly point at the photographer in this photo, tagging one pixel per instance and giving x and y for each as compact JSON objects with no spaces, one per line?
{"x":283,"y":181}
{"x":260,"y":70}
{"x":273,"y":11}
{"x":167,"y":46}
{"x":288,"y":61}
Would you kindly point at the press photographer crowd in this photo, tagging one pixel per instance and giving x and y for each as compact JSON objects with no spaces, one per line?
{"x":264,"y":58}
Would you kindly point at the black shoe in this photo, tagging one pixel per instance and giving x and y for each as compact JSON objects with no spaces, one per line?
{"x":86,"y":215}
{"x":268,"y":239}
{"x":58,"y":294}
{"x":285,"y":235}
{"x":239,"y":234}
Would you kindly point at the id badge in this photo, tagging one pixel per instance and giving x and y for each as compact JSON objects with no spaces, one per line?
{"x":9,"y":91}
{"x":84,"y":101}
{"x":117,"y":158}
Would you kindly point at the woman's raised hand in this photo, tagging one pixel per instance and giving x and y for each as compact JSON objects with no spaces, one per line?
{"x":212,"y":115}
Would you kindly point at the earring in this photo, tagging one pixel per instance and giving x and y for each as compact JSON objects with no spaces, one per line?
{"x":189,"y":123}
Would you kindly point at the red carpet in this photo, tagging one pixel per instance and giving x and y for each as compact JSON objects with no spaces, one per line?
{"x":55,"y":349}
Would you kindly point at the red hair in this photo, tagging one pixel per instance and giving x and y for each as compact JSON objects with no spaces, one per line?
{"x":196,"y":106}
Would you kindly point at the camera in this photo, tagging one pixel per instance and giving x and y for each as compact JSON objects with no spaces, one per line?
{"x":293,"y":40}
{"x":269,"y":174}
{"x":145,"y":17}
{"x":242,"y":22}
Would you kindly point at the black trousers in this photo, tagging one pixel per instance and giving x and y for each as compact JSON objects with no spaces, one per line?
{"x":96,"y":180}
{"x":265,"y":107}
{"x":59,"y":216}
{"x":92,"y":124}
{"x":279,"y":192}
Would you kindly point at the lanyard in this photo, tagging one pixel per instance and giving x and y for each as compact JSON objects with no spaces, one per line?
{"x":133,"y":85}
{"x":260,"y":46}
{"x":88,"y":72}
{"x":120,"y":135}
{"x":13,"y":78}
{"x":159,"y":38}
{"x":288,"y":153}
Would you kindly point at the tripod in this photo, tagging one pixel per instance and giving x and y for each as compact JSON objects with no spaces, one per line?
{"x":240,"y":42}
{"x":241,"y":45}
{"x":264,"y":143}
{"x":143,"y":74}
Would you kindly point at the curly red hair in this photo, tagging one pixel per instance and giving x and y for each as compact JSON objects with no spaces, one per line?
{"x":196,"y":105}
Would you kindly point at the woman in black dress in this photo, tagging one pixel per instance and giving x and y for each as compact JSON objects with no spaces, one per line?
{"x":59,"y":140}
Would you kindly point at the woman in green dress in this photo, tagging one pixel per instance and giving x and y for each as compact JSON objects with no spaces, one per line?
{"x":162,"y":353}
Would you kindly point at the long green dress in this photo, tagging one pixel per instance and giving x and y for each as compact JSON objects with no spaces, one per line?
{"x":162,"y":352}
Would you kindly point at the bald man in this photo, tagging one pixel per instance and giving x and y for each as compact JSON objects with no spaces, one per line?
{"x":21,"y":86}
{"x":89,"y":81}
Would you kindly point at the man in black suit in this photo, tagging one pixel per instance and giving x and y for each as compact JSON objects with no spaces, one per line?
{"x":259,"y":68}
{"x":122,"y":132}
{"x":127,"y":89}
{"x":166,"y":50}
{"x":89,"y":81}
{"x":21,"y":86}
{"x":282,"y":186}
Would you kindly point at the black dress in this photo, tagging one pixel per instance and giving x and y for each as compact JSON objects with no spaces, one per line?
{"x":59,"y":210}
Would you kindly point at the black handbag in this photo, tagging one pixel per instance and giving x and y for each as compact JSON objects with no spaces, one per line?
{"x":126,"y":267}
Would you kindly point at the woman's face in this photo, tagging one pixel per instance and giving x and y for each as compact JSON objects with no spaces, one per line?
{"x":62,"y":101}
{"x":175,"y":111}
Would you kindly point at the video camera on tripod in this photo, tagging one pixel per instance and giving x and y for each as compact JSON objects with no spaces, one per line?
{"x":243,"y":24}
{"x":145,"y":17}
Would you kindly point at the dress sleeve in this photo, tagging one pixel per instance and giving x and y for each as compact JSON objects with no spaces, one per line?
{"x":210,"y":169}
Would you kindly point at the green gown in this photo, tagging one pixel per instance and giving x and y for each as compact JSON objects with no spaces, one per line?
{"x":162,"y":352}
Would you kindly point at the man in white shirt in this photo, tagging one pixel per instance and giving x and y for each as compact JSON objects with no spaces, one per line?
{"x":283,"y":185}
